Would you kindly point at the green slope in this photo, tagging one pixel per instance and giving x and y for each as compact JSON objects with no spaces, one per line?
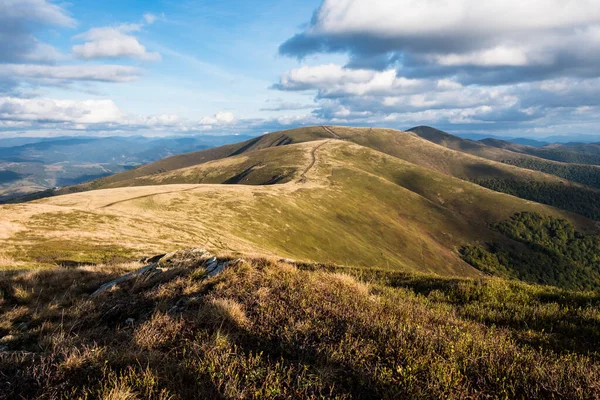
{"x":343,"y":203}
{"x":527,"y":157}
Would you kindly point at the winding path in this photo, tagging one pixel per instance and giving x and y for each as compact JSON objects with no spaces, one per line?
{"x":313,"y":154}
{"x":330,"y":131}
{"x":147,"y":195}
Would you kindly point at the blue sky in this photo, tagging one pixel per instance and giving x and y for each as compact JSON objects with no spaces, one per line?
{"x":163,"y":67}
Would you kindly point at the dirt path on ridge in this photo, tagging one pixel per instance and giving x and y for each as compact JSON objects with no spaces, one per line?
{"x":313,"y":154}
{"x":330,"y":131}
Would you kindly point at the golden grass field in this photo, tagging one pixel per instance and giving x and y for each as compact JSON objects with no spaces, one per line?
{"x":341,"y":203}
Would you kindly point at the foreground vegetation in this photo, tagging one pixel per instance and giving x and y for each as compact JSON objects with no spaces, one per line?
{"x":271,"y":329}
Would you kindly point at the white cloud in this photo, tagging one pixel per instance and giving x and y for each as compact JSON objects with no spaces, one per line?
{"x":98,"y":114}
{"x":494,"y":62}
{"x":113,"y":42}
{"x":554,"y":34}
{"x":150,"y":18}
{"x":498,"y":56}
{"x":40,"y":11}
{"x":102,"y":73}
{"x":43,"y":53}
{"x":335,"y":80}
{"x":389,"y":18}
{"x":223,"y":117}
{"x":79,"y":112}
{"x":18,"y":21}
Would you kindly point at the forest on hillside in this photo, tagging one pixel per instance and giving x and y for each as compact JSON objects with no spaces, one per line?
{"x":575,"y":156}
{"x":588,"y":175}
{"x":558,"y":254}
{"x":580,"y":200}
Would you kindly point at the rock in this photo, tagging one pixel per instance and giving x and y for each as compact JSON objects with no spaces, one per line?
{"x":126,"y":277}
{"x":187,"y":258}
{"x":153,"y":259}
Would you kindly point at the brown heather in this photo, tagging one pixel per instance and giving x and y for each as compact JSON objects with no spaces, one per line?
{"x":267,"y":329}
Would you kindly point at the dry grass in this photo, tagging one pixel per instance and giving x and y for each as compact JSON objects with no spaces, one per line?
{"x":352,"y":195}
{"x":223,"y":312}
{"x":268,"y":329}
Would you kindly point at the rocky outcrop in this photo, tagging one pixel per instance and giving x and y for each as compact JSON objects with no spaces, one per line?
{"x":180,"y":259}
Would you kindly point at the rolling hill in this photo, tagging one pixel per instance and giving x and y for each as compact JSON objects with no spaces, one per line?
{"x":465,"y":160}
{"x":578,"y":153}
{"x":571,"y":167}
{"x":323,"y":200}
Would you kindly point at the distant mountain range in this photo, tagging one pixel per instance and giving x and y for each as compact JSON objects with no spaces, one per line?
{"x":32,"y":164}
{"x":535,"y":142}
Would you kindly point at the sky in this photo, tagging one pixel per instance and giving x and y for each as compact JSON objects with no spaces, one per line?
{"x":164,"y":67}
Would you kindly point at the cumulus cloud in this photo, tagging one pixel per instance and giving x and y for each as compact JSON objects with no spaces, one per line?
{"x":114,"y":42}
{"x":37,"y":11}
{"x":38,"y":113}
{"x":493,"y":64}
{"x":333,"y":80}
{"x":223,"y":117}
{"x":281,"y":105}
{"x":550,"y":37}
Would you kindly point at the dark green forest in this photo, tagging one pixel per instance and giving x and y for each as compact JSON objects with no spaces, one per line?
{"x":580,"y":200}
{"x":548,"y":250}
{"x":576,"y":156}
{"x":588,"y":175}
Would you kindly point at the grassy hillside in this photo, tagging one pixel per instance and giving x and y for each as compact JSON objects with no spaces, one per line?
{"x":404,"y":145}
{"x":467,"y":160}
{"x":269,"y":329}
{"x":410,"y":314}
{"x":532,"y":158}
{"x":46,"y":163}
{"x":343,"y":203}
{"x":582,"y":198}
{"x":195,"y":158}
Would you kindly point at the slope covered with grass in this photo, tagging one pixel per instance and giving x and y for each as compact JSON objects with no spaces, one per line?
{"x":274,"y":139}
{"x":429,"y":148}
{"x":408,"y":146}
{"x":525,"y":157}
{"x":343,"y":203}
{"x":269,"y":329}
